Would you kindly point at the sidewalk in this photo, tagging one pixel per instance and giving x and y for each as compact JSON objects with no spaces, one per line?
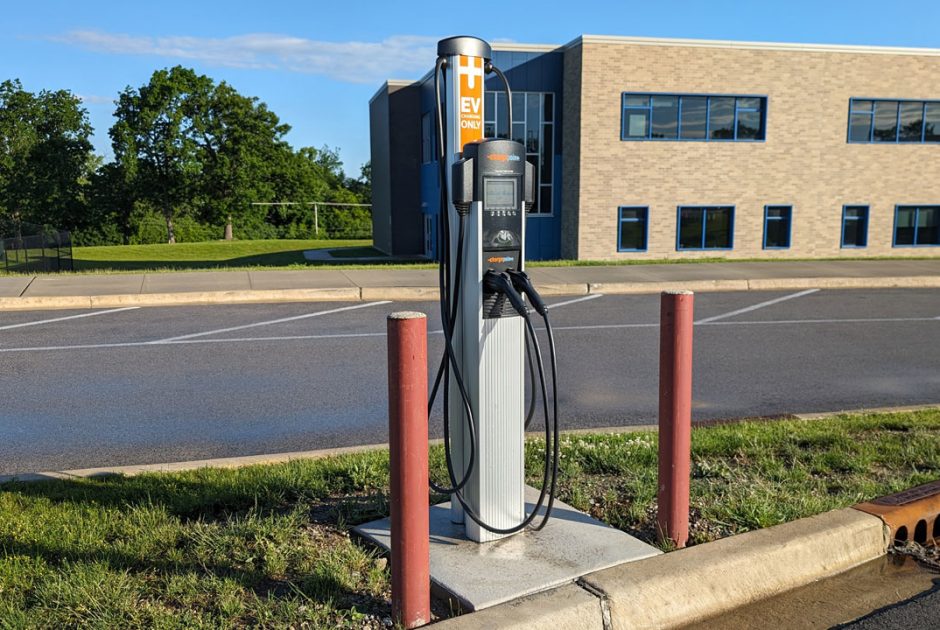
{"x":217,"y":287}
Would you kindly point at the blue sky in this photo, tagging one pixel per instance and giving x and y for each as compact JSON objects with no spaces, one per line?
{"x":316,"y":64}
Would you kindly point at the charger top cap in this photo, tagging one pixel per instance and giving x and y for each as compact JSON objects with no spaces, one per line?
{"x":464,"y":45}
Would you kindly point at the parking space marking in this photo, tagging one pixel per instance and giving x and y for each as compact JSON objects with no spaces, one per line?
{"x":754,"y":307}
{"x":593,"y":296}
{"x":269,"y":322}
{"x":62,"y":319}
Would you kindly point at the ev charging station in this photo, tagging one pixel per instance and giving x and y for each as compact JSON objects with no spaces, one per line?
{"x":486,"y":184}
{"x":487,"y":307}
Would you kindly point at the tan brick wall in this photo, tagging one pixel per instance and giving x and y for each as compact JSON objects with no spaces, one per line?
{"x":804,"y":162}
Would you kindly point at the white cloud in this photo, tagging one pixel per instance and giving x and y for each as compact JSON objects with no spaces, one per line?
{"x":354,"y":62}
{"x":95,"y":99}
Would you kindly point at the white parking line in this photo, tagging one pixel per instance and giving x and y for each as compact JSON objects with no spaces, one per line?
{"x":62,"y":319}
{"x":150,"y":344}
{"x":748,"y":309}
{"x":269,"y":322}
{"x":593,"y":296}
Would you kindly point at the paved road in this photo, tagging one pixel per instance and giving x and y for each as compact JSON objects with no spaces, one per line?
{"x":94,"y":388}
{"x":921,"y":612}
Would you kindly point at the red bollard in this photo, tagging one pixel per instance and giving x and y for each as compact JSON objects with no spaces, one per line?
{"x":675,"y":415}
{"x":408,"y":445}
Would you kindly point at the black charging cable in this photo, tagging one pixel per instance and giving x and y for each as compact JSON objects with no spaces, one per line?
{"x":523,"y":283}
{"x":504,"y":285}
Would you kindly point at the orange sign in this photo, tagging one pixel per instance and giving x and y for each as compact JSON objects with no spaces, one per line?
{"x":470,"y":101}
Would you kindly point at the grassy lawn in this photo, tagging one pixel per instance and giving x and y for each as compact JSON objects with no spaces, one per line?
{"x":288,"y":254}
{"x":269,"y":545}
{"x":209,"y":255}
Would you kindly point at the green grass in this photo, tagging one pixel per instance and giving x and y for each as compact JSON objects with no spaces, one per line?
{"x":269,"y":545}
{"x":209,"y":255}
{"x":288,"y":254}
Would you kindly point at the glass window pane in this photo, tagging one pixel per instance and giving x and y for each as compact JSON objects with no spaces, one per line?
{"x":778,"y":233}
{"x":636,"y":101}
{"x":533,"y":109}
{"x":860,"y":106}
{"x":749,"y":126}
{"x":489,"y":130}
{"x":548,"y":112}
{"x":852,"y":233}
{"x":860,"y":128}
{"x":912,"y":121}
{"x":781,"y":212}
{"x":518,"y":132}
{"x":665,"y":117}
{"x":928,"y":226}
{"x":886,"y":121}
{"x":635,"y":123}
{"x":532,"y":139}
{"x":489,"y":106}
{"x":501,"y":130}
{"x":545,"y":199}
{"x":693,"y":117}
{"x":518,"y":107}
{"x":855,"y":212}
{"x":721,"y":118}
{"x":749,"y":103}
{"x":932,"y":123}
{"x":718,"y":228}
{"x":633,"y":234}
{"x":904,"y":226}
{"x":690,"y":228}
{"x":546,"y":161}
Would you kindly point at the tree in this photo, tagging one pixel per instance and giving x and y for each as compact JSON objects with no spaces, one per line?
{"x":46,"y":156}
{"x":153,"y":139}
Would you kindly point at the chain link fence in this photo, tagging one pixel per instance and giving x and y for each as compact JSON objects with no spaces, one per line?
{"x":28,"y":248}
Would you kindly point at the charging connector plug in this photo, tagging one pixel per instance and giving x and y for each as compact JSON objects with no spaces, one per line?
{"x":499,"y":282}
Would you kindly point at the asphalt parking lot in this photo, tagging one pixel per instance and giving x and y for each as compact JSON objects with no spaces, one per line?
{"x":144,"y":385}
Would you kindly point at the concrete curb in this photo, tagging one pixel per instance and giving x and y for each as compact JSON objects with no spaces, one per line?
{"x":700,"y":582}
{"x":354,"y":294}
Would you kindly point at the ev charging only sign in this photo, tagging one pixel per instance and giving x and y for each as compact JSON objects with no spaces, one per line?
{"x":470,"y":109}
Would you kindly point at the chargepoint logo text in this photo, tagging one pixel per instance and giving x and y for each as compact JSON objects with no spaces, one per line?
{"x":470,"y":113}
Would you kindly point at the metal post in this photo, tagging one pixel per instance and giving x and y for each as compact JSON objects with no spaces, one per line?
{"x":316,"y":221}
{"x":675,"y":415}
{"x":408,"y":442}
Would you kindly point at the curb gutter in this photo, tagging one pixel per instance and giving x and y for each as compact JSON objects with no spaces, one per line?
{"x":353,"y":294}
{"x":699,"y":582}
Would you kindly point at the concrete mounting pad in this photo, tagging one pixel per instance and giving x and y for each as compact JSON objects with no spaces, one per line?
{"x":572,"y":544}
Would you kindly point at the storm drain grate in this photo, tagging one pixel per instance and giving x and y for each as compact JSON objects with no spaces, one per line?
{"x":912,"y":515}
{"x":909,"y":496}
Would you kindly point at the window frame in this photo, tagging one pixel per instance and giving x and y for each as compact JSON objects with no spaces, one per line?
{"x":708,"y":98}
{"x":704,"y":209}
{"x":789,"y":221}
{"x":897,"y":133}
{"x":846,"y":206}
{"x":495,"y":114}
{"x":917,"y":208}
{"x":646,"y":228}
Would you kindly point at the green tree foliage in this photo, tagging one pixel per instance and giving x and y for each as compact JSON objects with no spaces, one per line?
{"x":190,"y":156}
{"x":46,"y":158}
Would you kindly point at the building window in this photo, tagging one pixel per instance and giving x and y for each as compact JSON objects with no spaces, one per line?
{"x":705,"y":227}
{"x":854,"y":226}
{"x":777,"y":226}
{"x":916,"y":226}
{"x":427,"y":139}
{"x":633,"y":229}
{"x":692,"y":117}
{"x":899,"y":121}
{"x":533,"y":117}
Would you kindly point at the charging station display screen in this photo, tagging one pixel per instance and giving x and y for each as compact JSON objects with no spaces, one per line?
{"x":499,"y":194}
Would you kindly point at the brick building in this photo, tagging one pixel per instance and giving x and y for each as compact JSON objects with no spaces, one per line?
{"x":654,"y":148}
